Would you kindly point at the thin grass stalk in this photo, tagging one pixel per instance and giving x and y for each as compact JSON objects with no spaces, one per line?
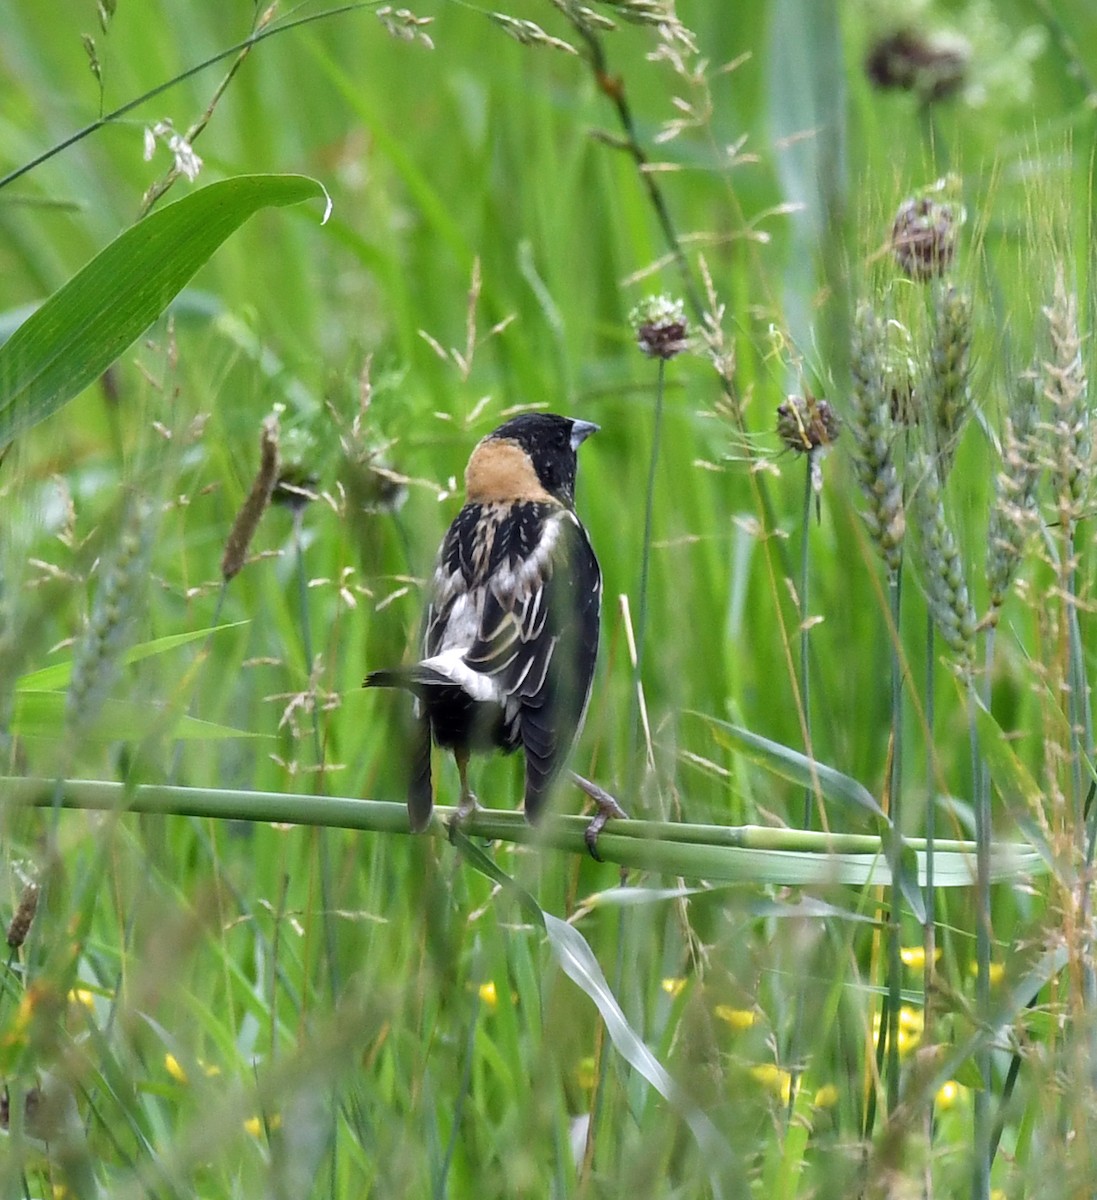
{"x":649,"y":520}
{"x":982,"y":1128}
{"x":929,"y":931}
{"x":323,"y":850}
{"x":895,"y":850}
{"x":796,"y":1040}
{"x":598,"y":1100}
{"x":613,"y":87}
{"x":115,"y":116}
{"x":805,"y":608}
{"x":464,"y":1087}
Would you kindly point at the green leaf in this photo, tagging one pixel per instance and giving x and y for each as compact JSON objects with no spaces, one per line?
{"x":42,"y":715}
{"x":795,"y":767}
{"x":106,"y":306}
{"x":57,"y":675}
{"x":1015,"y":785}
{"x":578,"y":961}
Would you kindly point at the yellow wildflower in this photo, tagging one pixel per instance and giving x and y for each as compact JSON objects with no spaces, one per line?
{"x":737,"y":1018}
{"x":256,"y":1127}
{"x":175,"y":1070}
{"x":826,"y":1096}
{"x":588,"y":1076}
{"x":950,"y":1094}
{"x":774,"y":1080}
{"x":914,"y":957}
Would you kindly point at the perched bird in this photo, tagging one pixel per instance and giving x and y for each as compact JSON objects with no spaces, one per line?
{"x":512,"y":628}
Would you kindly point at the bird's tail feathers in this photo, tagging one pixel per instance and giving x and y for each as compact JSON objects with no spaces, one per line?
{"x":411,"y":679}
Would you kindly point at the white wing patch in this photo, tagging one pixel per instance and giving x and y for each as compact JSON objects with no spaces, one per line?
{"x":451,"y":663}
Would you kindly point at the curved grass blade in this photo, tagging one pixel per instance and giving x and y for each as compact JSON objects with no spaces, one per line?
{"x":572,"y":951}
{"x":41,"y":714}
{"x":1015,"y":785}
{"x":57,"y":675}
{"x":106,"y":306}
{"x":795,"y":767}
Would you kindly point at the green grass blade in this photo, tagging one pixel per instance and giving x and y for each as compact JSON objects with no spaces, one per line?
{"x":102,"y":310}
{"x":578,"y":962}
{"x":572,"y":951}
{"x":56,"y":676}
{"x":795,"y":767}
{"x":41,"y":714}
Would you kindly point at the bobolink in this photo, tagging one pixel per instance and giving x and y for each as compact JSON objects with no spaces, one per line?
{"x":512,"y":627}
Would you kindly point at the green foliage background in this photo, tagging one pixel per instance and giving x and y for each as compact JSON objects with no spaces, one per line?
{"x":240,"y":1009}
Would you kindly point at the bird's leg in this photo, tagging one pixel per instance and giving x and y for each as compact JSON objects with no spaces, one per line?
{"x":468,"y":803}
{"x":608,"y":810}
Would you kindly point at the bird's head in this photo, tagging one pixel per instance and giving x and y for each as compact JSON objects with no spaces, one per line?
{"x":531,"y":457}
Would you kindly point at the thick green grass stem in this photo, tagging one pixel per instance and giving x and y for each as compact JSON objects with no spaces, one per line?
{"x":735,"y":853}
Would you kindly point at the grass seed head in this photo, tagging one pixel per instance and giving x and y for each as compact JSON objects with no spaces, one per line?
{"x":1066,"y":387}
{"x":23,"y":917}
{"x":923,"y":237}
{"x":806,"y":424}
{"x":251,"y":511}
{"x":1013,"y":516}
{"x":948,"y":386}
{"x":873,"y":431}
{"x":942,"y":565}
{"x":932,"y":65}
{"x":99,"y":651}
{"x":659,"y":323}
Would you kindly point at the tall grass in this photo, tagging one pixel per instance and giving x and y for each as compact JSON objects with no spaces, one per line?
{"x":235,"y":1004}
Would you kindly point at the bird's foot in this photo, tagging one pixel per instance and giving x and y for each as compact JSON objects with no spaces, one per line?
{"x":608,"y":810}
{"x":467,"y":806}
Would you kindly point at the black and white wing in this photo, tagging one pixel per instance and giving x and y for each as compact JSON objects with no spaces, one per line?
{"x":514,"y":620}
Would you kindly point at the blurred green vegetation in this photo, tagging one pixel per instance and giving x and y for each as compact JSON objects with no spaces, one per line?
{"x":242,"y":1009}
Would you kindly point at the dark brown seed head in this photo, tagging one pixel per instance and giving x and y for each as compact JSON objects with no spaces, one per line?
{"x":923,"y":238}
{"x":24,"y":915}
{"x":934,"y":66}
{"x":660,"y":326}
{"x":805,"y":423}
{"x":295,"y":488}
{"x":247,"y":519}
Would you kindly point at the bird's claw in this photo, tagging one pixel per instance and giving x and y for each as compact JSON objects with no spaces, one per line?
{"x":608,"y":810}
{"x":467,"y":806}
